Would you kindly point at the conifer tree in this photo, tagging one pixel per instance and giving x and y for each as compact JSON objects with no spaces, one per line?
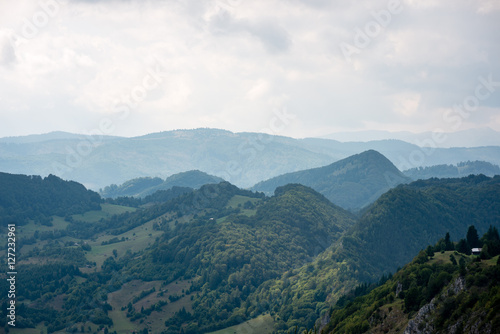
{"x":472,"y":237}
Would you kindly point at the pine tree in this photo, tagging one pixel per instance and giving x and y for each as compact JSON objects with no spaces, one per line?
{"x":447,"y":242}
{"x":462,"y":247}
{"x":473,"y":238}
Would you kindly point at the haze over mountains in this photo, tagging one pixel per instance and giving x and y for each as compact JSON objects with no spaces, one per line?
{"x":243,"y":159}
{"x":464,"y":138}
{"x":451,"y":171}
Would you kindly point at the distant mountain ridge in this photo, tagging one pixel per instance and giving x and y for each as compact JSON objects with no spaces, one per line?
{"x":55,"y":135}
{"x":243,"y":159}
{"x":464,"y":138}
{"x":351,"y":183}
{"x":452,"y":171}
{"x":145,"y":186}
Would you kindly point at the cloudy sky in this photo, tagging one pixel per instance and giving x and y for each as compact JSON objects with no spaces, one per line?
{"x":297,"y":68}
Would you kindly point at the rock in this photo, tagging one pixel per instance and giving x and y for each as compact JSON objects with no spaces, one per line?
{"x":399,"y":288}
{"x":419,"y":324}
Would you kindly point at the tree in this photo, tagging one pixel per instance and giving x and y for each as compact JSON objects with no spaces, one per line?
{"x":462,"y":268}
{"x":491,"y":241}
{"x":412,"y":298}
{"x":491,"y":234}
{"x":472,"y":237}
{"x":448,"y":245}
{"x":462,"y":247}
{"x":429,"y":251}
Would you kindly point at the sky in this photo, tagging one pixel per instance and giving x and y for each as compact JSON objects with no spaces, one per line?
{"x":296,"y":68}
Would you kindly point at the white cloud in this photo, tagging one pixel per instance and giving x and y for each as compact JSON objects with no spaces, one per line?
{"x":260,"y":88}
{"x":406,"y":104}
{"x":230,"y":63}
{"x":488,"y":6}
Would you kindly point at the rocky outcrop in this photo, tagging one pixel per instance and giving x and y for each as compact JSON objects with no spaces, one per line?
{"x":458,"y":285}
{"x":399,"y":288}
{"x":420,"y":324}
{"x":473,"y":324}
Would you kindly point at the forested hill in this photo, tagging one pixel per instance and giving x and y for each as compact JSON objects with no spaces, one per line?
{"x":229,"y":257}
{"x":204,"y":252}
{"x":221,"y":256}
{"x":388,"y":235}
{"x":442,"y":290}
{"x":351,"y":183}
{"x":144,"y":186}
{"x":409,"y":217}
{"x":24,"y":198}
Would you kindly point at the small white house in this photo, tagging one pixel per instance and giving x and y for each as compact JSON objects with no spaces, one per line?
{"x":476,"y":251}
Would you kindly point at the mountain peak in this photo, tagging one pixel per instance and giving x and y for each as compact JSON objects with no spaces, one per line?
{"x":351,"y":183}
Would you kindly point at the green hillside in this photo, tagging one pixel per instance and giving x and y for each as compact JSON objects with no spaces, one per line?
{"x":228,"y":258}
{"x":220,"y":257}
{"x":24,"y":198}
{"x":438,"y":292}
{"x":395,"y":228}
{"x":407,"y":218}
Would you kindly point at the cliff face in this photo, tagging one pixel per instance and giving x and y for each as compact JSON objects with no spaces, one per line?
{"x":422,"y":323}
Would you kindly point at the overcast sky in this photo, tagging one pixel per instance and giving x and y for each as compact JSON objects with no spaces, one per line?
{"x":296,"y":68}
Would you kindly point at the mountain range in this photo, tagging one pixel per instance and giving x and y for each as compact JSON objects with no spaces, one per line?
{"x":352,"y":183}
{"x":243,"y":159}
{"x":464,"y":138}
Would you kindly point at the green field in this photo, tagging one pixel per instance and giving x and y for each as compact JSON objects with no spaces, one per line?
{"x":107,"y":211}
{"x":27,"y":231}
{"x":443,"y":258}
{"x":156,"y":321}
{"x":135,"y":240}
{"x":239,"y":201}
{"x":28,"y":330}
{"x":263,"y":324}
{"x":58,"y":223}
